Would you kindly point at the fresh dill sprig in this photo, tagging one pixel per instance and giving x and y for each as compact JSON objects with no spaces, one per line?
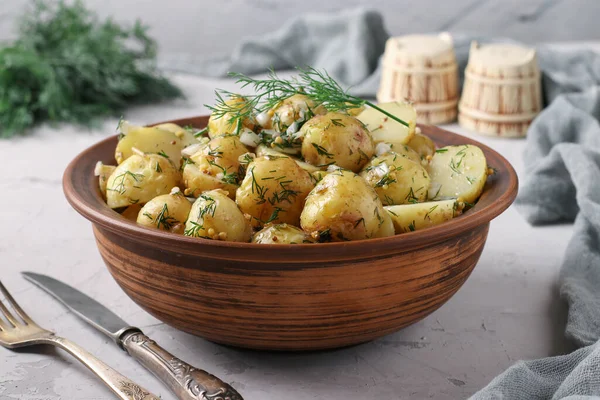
{"x":322,"y":151}
{"x":194,"y":230}
{"x":119,"y":181}
{"x":317,"y":85}
{"x":164,"y":219}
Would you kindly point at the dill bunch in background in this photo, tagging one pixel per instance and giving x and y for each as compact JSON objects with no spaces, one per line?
{"x":68,"y":66}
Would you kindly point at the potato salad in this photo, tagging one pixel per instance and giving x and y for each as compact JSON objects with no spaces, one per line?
{"x":301,"y":171}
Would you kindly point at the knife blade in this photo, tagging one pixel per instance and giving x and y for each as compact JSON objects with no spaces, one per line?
{"x":184,"y":380}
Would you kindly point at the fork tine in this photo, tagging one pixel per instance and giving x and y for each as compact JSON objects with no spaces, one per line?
{"x":7,"y":314}
{"x":3,"y":325}
{"x":15,"y":307}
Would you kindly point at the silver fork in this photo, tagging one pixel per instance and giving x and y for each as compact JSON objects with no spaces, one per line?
{"x":22,"y":331}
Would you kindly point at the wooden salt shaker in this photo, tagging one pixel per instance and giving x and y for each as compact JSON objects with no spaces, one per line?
{"x":421,"y":69}
{"x":502,"y":90}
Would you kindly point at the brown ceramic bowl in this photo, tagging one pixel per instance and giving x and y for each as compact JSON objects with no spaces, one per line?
{"x":289,"y":297}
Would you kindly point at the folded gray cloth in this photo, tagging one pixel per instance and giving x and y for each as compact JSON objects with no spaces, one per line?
{"x":562,"y":181}
{"x":563,"y":184}
{"x":346,"y":44}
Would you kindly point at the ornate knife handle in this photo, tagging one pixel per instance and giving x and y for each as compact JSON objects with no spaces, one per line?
{"x":187,"y":382}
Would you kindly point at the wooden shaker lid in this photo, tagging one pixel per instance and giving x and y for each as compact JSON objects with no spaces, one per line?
{"x":420,"y":51}
{"x":502,"y":61}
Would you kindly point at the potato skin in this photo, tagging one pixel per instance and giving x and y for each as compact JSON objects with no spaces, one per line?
{"x":103,"y":172}
{"x":281,"y":234}
{"x":397,"y":179}
{"x":263,"y":150}
{"x":274,"y":190}
{"x":218,"y":126}
{"x":407,"y":152}
{"x":139,"y":179}
{"x":187,"y":137}
{"x":215,"y":166}
{"x":336,"y":138}
{"x":344,"y":207}
{"x":215,"y":216}
{"x":422,"y":144}
{"x":149,"y":140}
{"x":167,"y":212}
{"x":297,"y":107}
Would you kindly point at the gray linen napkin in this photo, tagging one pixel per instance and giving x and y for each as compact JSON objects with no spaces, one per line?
{"x":562,"y":181}
{"x":562,"y":161}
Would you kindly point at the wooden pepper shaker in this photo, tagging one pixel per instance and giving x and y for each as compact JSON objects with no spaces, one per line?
{"x":502,"y":90}
{"x":421,"y":69}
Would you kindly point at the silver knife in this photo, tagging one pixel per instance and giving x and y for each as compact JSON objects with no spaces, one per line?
{"x":187,"y":382}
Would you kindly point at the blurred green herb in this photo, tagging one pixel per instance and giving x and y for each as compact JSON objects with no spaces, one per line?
{"x":68,"y":66}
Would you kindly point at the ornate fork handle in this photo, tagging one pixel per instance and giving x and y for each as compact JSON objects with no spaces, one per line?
{"x":187,"y":382}
{"x":122,"y":386}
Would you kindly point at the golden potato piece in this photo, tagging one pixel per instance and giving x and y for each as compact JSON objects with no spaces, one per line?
{"x":405,"y":151}
{"x":336,"y":138}
{"x":103,"y":172}
{"x":422,"y":145}
{"x":139,"y":179}
{"x":344,"y":207}
{"x":216,"y":165}
{"x":397,"y":179}
{"x":263,"y":150}
{"x":149,"y":140}
{"x":281,"y":234}
{"x":274,"y":190}
{"x":457,"y":172}
{"x":185,"y":135}
{"x":414,"y":217}
{"x":227,"y":124}
{"x":386,"y":129}
{"x":215,"y":216}
{"x":167,"y":212}
{"x":296,"y":108}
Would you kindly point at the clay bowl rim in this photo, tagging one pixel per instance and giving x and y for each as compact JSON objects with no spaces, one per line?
{"x":474,"y":217}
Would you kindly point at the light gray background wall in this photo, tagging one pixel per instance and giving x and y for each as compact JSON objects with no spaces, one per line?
{"x":214,"y":27}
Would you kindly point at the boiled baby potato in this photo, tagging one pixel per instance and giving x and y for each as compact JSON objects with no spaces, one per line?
{"x":422,"y":145}
{"x":215,"y":165}
{"x":413,"y":217}
{"x":185,"y":135}
{"x":386,"y":129}
{"x":274,"y":190}
{"x":227,"y":123}
{"x":263,"y":150}
{"x":397,"y":179}
{"x":336,"y":138}
{"x":281,"y":234}
{"x":167,"y":212}
{"x":215,"y":216}
{"x":457,"y":172}
{"x":149,"y":140}
{"x":344,"y":207}
{"x":400,"y":149}
{"x":295,"y":109}
{"x":103,"y":172}
{"x":139,"y":179}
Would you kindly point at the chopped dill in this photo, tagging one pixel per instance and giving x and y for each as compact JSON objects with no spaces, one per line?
{"x":120,"y":181}
{"x":322,"y":151}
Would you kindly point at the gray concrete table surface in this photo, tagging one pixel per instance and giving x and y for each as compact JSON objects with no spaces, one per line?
{"x":506,"y":311}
